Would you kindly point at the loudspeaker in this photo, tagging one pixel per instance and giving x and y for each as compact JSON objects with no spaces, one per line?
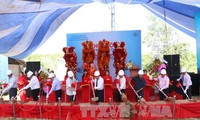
{"x":195,"y":84}
{"x":33,"y":66}
{"x":173,"y":66}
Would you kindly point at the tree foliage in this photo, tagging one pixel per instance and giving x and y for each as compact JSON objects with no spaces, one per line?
{"x":163,"y":39}
{"x":46,"y":60}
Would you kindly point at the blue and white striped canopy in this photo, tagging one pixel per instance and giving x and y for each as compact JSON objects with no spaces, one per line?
{"x":27,"y":24}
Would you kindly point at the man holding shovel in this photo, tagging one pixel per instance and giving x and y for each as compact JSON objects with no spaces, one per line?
{"x":139,"y":83}
{"x":71,"y":86}
{"x":99,"y":86}
{"x":120,"y":85}
{"x":56,"y":86}
{"x":12,"y":85}
{"x":186,"y":83}
{"x":163,"y":84}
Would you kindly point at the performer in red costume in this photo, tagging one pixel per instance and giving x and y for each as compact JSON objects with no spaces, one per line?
{"x":22,"y":82}
{"x":85,"y":86}
{"x":103,"y":56}
{"x":92,"y":70}
{"x":107,"y":87}
{"x":148,"y":89}
{"x":88,"y":55}
{"x":86,"y":77}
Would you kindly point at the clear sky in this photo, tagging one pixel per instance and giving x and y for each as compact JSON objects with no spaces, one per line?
{"x":95,"y":17}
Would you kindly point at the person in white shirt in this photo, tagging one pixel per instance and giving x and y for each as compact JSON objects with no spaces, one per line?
{"x":12,"y":85}
{"x":70,"y":86}
{"x":186,"y":82}
{"x":34,"y":85}
{"x":121,"y":86}
{"x":163,"y":81}
{"x":99,"y":86}
{"x":56,"y":86}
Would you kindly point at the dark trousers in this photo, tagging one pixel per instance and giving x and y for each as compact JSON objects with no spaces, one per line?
{"x":189,"y":93}
{"x":161,"y":95}
{"x":100,"y":95}
{"x":12,"y":93}
{"x":140,"y":93}
{"x":28,"y":92}
{"x":58,"y":94}
{"x":35,"y":94}
{"x":118,"y":95}
{"x":71,"y":97}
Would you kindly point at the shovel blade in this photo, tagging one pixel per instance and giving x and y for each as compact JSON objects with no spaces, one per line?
{"x":192,"y":100}
{"x":168,"y":99}
{"x":95,"y":99}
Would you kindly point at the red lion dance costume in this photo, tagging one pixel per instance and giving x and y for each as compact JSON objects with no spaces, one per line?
{"x":88,"y":55}
{"x":70,"y":58}
{"x":119,"y":54}
{"x":103,"y":56}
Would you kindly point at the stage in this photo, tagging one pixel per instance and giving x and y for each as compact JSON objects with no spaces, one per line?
{"x":180,"y":109}
{"x":153,"y":109}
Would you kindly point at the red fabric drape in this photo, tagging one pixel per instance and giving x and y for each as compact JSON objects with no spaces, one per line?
{"x":85,"y":89}
{"x":149,"y":111}
{"x":108,"y":88}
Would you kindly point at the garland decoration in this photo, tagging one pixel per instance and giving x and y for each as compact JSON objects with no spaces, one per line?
{"x":153,"y":67}
{"x":130,"y":65}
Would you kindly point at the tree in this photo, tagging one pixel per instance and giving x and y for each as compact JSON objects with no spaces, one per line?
{"x":46,"y":60}
{"x":163,"y":39}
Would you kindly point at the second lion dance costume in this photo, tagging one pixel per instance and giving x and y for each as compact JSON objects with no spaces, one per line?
{"x":88,"y":55}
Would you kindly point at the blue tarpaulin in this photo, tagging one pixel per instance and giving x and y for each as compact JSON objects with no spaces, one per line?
{"x":26,"y":24}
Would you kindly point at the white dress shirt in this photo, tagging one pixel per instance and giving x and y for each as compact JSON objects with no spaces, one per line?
{"x":33,"y":84}
{"x":69,"y":89}
{"x":56,"y":85}
{"x":187,"y":82}
{"x":99,"y":84}
{"x":12,"y":84}
{"x":122,"y":82}
{"x":163,"y":82}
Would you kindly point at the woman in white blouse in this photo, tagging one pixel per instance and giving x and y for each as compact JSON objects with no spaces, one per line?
{"x":33,"y":84}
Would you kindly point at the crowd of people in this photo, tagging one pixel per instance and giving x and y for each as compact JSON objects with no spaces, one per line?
{"x":97,"y":82}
